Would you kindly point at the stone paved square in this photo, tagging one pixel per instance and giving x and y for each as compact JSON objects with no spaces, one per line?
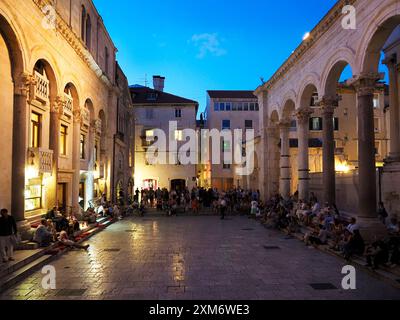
{"x":197,"y":258}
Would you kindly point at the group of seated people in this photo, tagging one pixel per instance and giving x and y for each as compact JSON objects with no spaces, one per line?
{"x":56,"y":227}
{"x":327,"y":227}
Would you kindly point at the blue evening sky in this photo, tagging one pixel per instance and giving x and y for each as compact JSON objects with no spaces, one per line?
{"x":208,"y":44}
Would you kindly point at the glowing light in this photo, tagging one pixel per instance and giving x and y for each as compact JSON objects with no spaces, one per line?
{"x":31,"y":173}
{"x":342,"y":166}
{"x":306,"y":36}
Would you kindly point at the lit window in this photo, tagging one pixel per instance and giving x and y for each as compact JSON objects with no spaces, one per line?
{"x":149,"y":133}
{"x":82,"y":142}
{"x":35,"y":130}
{"x":376,"y":100}
{"x":179,"y":135}
{"x":63,"y":140}
{"x":226,"y":124}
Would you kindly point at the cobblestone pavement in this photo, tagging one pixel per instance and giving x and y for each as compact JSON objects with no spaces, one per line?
{"x":197,"y":258}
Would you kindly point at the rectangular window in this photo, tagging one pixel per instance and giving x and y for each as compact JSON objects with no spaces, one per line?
{"x":35,"y":130}
{"x":316,"y":124}
{"x":257,"y":107}
{"x":336,"y":124}
{"x":178,"y":113}
{"x":248,"y":124}
{"x":376,"y":100}
{"x":377,"y":125}
{"x":216,"y":106}
{"x":252,"y":106}
{"x":240,"y":106}
{"x":63,"y":140}
{"x":226,"y":124}
{"x":245,"y":106}
{"x":179,"y":135}
{"x":82,"y":142}
{"x":226,"y":166}
{"x":377,"y":148}
{"x":228,"y":106}
{"x":234,"y":106}
{"x":222,"y":106}
{"x":314,"y":99}
{"x":226,"y":146}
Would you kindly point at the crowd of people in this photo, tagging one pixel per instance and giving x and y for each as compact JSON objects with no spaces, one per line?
{"x":326,"y":226}
{"x":234,"y":201}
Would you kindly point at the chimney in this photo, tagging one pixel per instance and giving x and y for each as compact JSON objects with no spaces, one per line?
{"x":158,"y":83}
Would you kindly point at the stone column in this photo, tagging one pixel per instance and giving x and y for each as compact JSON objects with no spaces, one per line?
{"x":303,"y":124}
{"x":394,"y":155}
{"x":273,"y":160}
{"x":285,"y":179}
{"x":328,"y":105}
{"x":76,"y":160}
{"x":19,"y":147}
{"x":365,"y":86}
{"x":55,"y":112}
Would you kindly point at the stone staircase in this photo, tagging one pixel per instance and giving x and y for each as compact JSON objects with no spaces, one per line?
{"x":31,"y":259}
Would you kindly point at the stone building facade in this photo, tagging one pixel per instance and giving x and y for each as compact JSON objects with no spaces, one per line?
{"x":155,"y":109}
{"x":230,"y":110}
{"x":59,"y":96}
{"x":312,"y":73}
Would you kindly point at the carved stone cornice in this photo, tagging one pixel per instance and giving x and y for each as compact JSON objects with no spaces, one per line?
{"x":365,"y":83}
{"x":326,"y":23}
{"x":75,"y":42}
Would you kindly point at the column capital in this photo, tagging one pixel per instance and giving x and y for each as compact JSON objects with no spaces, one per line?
{"x":303,"y":114}
{"x":77,"y":116}
{"x":57,"y":106}
{"x":365,"y":83}
{"x":24,"y":84}
{"x":328,"y":104}
{"x":284,"y":125}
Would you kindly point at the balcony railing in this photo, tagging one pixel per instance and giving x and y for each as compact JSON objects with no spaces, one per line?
{"x":42,"y":158}
{"x":42,"y":88}
{"x":69,"y":104}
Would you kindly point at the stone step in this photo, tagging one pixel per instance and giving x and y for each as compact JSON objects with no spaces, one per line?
{"x":27,"y":270}
{"x":21,"y":260}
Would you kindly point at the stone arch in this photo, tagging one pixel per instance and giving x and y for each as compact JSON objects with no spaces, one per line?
{"x":375,"y":36}
{"x":274,"y":118}
{"x":288,"y":109}
{"x":71,"y":90}
{"x":43,"y":67}
{"x":334,"y":68}
{"x":307,"y":89}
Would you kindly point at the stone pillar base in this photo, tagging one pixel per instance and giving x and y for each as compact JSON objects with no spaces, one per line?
{"x":24,"y":229}
{"x":372,"y":229}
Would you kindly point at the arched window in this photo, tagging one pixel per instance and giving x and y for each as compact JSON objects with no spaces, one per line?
{"x":83,"y":23}
{"x":88,"y":32}
{"x":107,"y":58}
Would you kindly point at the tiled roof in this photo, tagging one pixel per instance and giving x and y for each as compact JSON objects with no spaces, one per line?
{"x":145,"y":95}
